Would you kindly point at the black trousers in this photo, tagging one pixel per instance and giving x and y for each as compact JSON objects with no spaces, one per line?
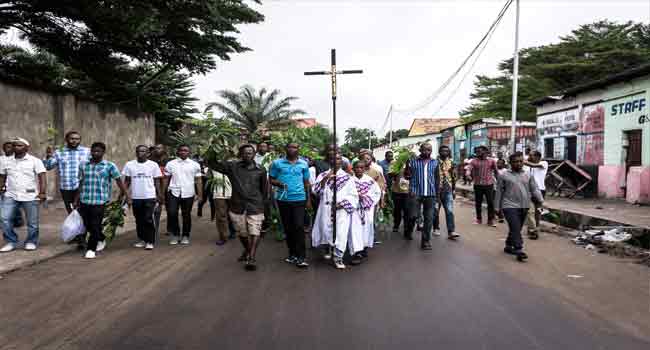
{"x":207,"y":197}
{"x":68,"y":199}
{"x":486,"y":191}
{"x":185,"y":205}
{"x":401,"y":210}
{"x":292,"y":215}
{"x":143,"y":210}
{"x":93,"y":215}
{"x":515,"y":218}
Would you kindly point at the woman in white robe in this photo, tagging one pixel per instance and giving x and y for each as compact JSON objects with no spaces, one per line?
{"x":347,"y":200}
{"x":369,"y":196}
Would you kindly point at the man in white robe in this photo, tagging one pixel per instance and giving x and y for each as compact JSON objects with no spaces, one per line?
{"x":363,"y":219}
{"x":347,"y":201}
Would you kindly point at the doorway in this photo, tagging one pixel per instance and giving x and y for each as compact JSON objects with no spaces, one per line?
{"x":634,"y":148}
{"x":571,"y":148}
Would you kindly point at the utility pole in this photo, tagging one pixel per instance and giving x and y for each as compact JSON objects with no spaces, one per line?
{"x":515,"y":84}
{"x":333,"y":73}
{"x":390,"y":115}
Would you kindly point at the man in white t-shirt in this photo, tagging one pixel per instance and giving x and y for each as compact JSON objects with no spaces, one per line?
{"x":184,"y":185}
{"x":143,"y":176}
{"x":22,"y":185}
{"x":537,"y":168}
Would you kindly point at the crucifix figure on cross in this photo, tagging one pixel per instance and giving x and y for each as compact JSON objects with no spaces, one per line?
{"x":333,"y":73}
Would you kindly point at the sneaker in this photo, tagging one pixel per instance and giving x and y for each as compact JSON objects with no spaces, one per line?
{"x":139,"y":244}
{"x":426,"y":245}
{"x":453,"y":235}
{"x":101,"y":245}
{"x":396,"y":230}
{"x":291,"y":260}
{"x":185,"y":241}
{"x":327,"y":256}
{"x":90,"y":254}
{"x":251,"y":265}
{"x":302,"y":263}
{"x":478,"y":221}
{"x":521,"y":256}
{"x":7,"y":248}
{"x":174,"y":240}
{"x":533,"y":235}
{"x":243,"y":257}
{"x":491,"y":223}
{"x":377,"y":242}
{"x":509,"y":250}
{"x":30,"y":246}
{"x":221,"y":242}
{"x":148,"y":246}
{"x":338,"y":263}
{"x":436,"y":232}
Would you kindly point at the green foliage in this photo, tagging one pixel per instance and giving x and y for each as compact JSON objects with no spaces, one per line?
{"x":212,"y":138}
{"x":591,"y":52}
{"x":397,"y":134}
{"x":312,"y":140}
{"x":253,"y":110}
{"x":113,"y":218}
{"x":356,"y":139}
{"x":401,"y":156}
{"x":94,"y":37}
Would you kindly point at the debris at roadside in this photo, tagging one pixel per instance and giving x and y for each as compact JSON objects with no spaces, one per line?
{"x":612,"y":241}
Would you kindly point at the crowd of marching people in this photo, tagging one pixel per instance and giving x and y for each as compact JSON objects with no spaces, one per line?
{"x":335,"y":200}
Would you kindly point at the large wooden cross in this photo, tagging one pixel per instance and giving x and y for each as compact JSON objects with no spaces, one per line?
{"x":333,"y":73}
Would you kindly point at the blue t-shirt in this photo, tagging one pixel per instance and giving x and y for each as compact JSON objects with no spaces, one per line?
{"x":293,"y":175}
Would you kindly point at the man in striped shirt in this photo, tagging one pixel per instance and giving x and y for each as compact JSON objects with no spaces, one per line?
{"x":483,"y":172}
{"x":68,"y":160}
{"x":423,"y":175}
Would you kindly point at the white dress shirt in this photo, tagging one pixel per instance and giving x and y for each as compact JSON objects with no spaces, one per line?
{"x":22,"y":177}
{"x":184,"y":174}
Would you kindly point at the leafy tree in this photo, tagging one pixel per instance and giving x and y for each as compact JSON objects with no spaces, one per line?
{"x":251,"y":110}
{"x":397,"y":134}
{"x":96,"y":36}
{"x":357,"y":138}
{"x":591,"y":52}
{"x":312,"y":140}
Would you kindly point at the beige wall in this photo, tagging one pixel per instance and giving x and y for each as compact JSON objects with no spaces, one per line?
{"x":29,"y":113}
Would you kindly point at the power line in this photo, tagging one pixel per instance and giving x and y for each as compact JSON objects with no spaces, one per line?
{"x":469,"y":71}
{"x":435,"y":95}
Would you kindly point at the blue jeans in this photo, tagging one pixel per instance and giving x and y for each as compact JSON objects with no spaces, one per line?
{"x":10,"y":208}
{"x":446,"y":201}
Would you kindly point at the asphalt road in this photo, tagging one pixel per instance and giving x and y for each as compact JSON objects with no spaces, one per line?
{"x":460,"y":295}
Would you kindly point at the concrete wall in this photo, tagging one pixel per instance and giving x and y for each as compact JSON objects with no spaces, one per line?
{"x":617,"y":122}
{"x":581,"y":116}
{"x":635,"y":185}
{"x":29,"y":113}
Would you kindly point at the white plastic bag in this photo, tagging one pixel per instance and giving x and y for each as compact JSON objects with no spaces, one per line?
{"x":72,"y":227}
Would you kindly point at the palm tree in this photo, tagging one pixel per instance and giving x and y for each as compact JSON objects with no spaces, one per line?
{"x":252,"y":110}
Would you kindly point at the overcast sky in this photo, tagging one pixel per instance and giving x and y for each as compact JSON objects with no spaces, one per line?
{"x":407,"y":49}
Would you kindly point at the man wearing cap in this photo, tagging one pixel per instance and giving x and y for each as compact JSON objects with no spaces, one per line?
{"x":23,"y":185}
